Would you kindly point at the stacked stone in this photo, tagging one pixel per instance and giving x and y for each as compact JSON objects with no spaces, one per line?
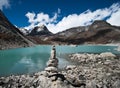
{"x":52,"y":64}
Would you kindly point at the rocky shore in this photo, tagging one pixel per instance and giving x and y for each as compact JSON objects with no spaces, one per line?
{"x":100,"y":70}
{"x":92,"y":71}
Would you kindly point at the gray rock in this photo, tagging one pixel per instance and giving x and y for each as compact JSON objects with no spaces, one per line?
{"x":52,"y":62}
{"x":107,"y":55}
{"x":91,"y":84}
{"x":70,"y":67}
{"x":53,"y":78}
{"x":51,"y":69}
{"x":116,"y":84}
{"x":41,"y":73}
{"x":6,"y":80}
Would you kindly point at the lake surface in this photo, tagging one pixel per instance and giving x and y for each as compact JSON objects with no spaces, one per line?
{"x":33,"y":59}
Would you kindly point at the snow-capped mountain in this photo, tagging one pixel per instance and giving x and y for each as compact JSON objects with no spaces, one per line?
{"x":40,"y":30}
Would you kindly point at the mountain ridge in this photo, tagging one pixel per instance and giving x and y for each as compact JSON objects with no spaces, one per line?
{"x":10,"y":36}
{"x":99,"y":32}
{"x":90,"y":34}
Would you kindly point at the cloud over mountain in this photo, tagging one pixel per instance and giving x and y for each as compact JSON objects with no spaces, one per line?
{"x":111,"y":15}
{"x":4,"y":3}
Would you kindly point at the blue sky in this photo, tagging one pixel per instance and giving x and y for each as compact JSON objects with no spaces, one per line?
{"x":59,"y":15}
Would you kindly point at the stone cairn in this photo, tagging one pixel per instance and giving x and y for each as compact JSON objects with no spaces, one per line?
{"x":52,"y":64}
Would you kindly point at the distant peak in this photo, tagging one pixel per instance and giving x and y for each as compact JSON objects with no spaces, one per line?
{"x":42,"y":26}
{"x":40,"y":30}
{"x":100,"y":22}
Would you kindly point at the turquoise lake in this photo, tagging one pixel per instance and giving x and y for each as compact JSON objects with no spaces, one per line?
{"x":33,"y":59}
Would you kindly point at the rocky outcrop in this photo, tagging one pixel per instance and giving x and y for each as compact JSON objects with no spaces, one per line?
{"x":99,"y":70}
{"x":93,"y":77}
{"x":93,"y":58}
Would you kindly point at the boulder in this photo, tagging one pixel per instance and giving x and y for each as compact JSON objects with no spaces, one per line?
{"x":51,"y":69}
{"x":107,"y":55}
{"x":70,"y":67}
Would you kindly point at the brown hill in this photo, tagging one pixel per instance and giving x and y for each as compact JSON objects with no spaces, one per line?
{"x":10,"y":36}
{"x":99,"y":32}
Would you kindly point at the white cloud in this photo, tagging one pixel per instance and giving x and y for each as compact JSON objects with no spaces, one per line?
{"x":73,"y":20}
{"x":41,"y":18}
{"x":114,"y":18}
{"x":30,"y":16}
{"x":4,"y":3}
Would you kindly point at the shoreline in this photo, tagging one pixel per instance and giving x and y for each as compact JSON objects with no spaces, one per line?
{"x":72,"y":45}
{"x":91,"y":70}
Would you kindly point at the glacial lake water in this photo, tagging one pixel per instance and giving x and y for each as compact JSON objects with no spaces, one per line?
{"x":33,"y":59}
